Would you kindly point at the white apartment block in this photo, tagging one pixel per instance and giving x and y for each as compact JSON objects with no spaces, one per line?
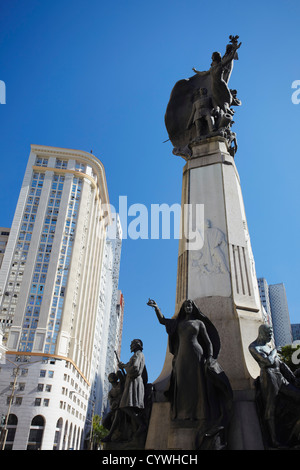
{"x":50,"y":286}
{"x":4,"y":234}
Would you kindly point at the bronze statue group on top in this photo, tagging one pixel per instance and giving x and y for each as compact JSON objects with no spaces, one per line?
{"x":201,"y":106}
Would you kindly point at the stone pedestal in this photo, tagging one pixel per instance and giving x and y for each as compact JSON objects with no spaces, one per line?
{"x":219,"y":274}
{"x":244,"y":431}
{"x":171,"y":435}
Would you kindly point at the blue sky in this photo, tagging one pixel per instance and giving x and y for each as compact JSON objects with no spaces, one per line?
{"x":95,"y":75}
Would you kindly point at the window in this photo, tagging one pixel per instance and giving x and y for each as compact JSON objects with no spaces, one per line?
{"x":58,"y":433}
{"x":37,"y":402}
{"x":41,"y":161}
{"x":36,"y":433}
{"x":79,"y":166}
{"x":11,"y":431}
{"x":61,"y":163}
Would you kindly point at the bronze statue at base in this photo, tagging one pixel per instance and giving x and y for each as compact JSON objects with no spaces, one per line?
{"x":278,"y":393}
{"x":130,"y":403}
{"x":199,"y":390}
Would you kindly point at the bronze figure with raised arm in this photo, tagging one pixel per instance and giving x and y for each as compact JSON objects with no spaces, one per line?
{"x":199,"y":389}
{"x":221,"y":94}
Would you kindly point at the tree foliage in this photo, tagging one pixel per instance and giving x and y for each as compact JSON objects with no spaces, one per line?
{"x":290,"y":355}
{"x":99,"y":431}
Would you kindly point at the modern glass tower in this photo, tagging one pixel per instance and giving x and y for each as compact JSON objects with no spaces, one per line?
{"x":274,"y":301}
{"x":280,"y":315}
{"x":50,"y":288}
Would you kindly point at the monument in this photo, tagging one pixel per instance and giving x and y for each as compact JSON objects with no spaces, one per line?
{"x":218,"y":275}
{"x":222,"y":385}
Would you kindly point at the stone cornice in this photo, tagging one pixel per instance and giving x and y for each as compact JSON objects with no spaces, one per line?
{"x":87,"y":157}
{"x":48,"y":356}
{"x":46,"y":151}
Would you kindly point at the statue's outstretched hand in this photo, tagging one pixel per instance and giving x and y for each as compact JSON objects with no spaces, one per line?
{"x":151,"y":303}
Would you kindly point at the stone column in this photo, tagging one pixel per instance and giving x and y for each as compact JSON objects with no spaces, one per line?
{"x":219,"y":274}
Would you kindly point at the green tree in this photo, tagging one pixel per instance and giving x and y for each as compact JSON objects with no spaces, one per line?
{"x":98,"y":431}
{"x":290,"y":357}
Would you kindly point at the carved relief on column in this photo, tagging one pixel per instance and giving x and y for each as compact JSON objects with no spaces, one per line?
{"x":209,"y":272}
{"x":240,"y":274}
{"x":211,"y":259}
{"x":182,"y":274}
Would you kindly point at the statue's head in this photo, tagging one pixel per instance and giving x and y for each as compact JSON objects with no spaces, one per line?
{"x":265,"y":332}
{"x":229,"y":48}
{"x":216,"y":57}
{"x":136,"y":345}
{"x":112,"y":377}
{"x":188,"y":306}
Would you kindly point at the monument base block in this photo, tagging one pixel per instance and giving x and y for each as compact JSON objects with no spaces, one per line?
{"x":244,"y":430}
{"x":159,"y":427}
{"x":171,"y":435}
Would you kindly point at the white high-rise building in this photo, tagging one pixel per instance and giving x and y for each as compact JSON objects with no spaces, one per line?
{"x":108,"y":320}
{"x":4,"y":234}
{"x":50,"y":283}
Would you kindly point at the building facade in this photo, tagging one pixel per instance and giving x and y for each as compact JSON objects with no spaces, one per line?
{"x":296,"y":331}
{"x":50,"y":282}
{"x":108,"y":335}
{"x":274,"y":301}
{"x":280,"y":315}
{"x":263,"y":289}
{"x":120,"y":316}
{"x":4,"y":234}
